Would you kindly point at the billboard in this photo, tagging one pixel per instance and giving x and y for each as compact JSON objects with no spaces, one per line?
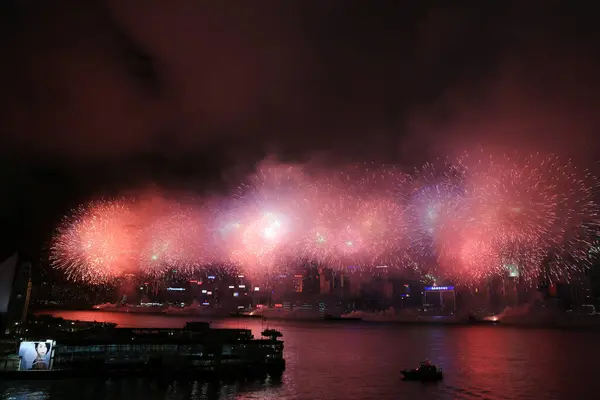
{"x":438,"y":288}
{"x":36,"y":356}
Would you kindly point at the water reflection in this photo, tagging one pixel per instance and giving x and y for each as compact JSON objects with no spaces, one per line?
{"x":138,"y":389}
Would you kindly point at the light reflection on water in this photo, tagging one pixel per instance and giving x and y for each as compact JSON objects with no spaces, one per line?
{"x":135,"y":389}
{"x":359,"y":361}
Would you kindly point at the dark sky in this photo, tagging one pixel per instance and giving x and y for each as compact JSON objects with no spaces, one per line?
{"x":97,"y":96}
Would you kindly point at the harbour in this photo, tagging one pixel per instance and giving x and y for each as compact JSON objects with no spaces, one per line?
{"x":355,"y":361}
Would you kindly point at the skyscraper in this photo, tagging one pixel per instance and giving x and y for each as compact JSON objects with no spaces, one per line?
{"x":15,"y":291}
{"x":298,"y":280}
{"x":7,"y":276}
{"x":324,"y":283}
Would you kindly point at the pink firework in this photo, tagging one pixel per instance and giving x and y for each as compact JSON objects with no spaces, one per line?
{"x":383,"y":225}
{"x":226,"y":229}
{"x":578,"y":222}
{"x":271,"y":209}
{"x":478,"y":259}
{"x":177,"y":239}
{"x":436,"y":209}
{"x":376,"y":181}
{"x":480,"y":216}
{"x":97,"y":243}
{"x":513,"y":200}
{"x":316,"y":244}
{"x":263,"y":239}
{"x":336,"y":234}
{"x":469,"y":258}
{"x":535,"y":208}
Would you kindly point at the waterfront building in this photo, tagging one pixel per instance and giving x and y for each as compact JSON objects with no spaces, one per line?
{"x":195,"y":349}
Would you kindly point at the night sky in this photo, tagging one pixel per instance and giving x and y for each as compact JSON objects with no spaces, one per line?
{"x":101,"y":96}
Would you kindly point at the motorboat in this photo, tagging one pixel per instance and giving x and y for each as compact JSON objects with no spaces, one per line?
{"x":245,"y":314}
{"x":271,"y":333}
{"x":329,"y":317}
{"x":493,"y":320}
{"x":426,"y":372}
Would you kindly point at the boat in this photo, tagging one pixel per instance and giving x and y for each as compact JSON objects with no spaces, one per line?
{"x":271,"y":333}
{"x":329,"y":317}
{"x":485,"y":321}
{"x":245,"y":314}
{"x":426,"y":372}
{"x":194,"y":351}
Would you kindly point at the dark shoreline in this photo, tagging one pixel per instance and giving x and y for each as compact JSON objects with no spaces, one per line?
{"x":336,"y":321}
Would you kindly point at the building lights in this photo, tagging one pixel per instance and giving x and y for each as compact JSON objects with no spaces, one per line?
{"x":438,"y":288}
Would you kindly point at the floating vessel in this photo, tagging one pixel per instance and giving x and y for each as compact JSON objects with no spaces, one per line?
{"x":485,"y":321}
{"x":245,"y":314}
{"x":329,"y":317}
{"x":426,"y":372}
{"x":195,"y":351}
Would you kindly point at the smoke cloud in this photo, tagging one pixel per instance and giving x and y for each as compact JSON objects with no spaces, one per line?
{"x":348,"y":80}
{"x":100,"y":79}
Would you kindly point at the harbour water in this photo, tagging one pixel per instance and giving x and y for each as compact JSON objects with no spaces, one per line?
{"x":362,"y":361}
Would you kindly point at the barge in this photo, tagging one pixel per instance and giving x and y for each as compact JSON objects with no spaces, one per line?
{"x":194,"y":352}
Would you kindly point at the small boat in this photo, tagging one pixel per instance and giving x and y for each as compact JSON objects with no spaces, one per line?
{"x":244,"y":315}
{"x":426,"y":372}
{"x":271,"y":333}
{"x":329,"y":317}
{"x":485,"y":321}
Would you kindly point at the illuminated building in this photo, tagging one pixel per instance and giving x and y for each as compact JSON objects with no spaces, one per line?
{"x":438,"y":297}
{"x":324,"y":283}
{"x":337,"y":283}
{"x":354,"y":286}
{"x":15,"y":292}
{"x":311,"y":278}
{"x":298,"y":283}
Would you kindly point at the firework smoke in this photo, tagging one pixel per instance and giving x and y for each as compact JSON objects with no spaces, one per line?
{"x":472,"y":218}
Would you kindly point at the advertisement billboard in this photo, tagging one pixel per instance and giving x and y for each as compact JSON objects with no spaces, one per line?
{"x":439,"y":288}
{"x":36,"y":356}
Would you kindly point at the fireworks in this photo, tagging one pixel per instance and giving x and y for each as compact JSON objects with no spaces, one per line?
{"x":338,"y":237}
{"x":436,"y":208}
{"x":97,"y":243}
{"x":471,"y":219}
{"x":384,"y":227}
{"x":270,"y":211}
{"x":525,"y":205}
{"x":177,"y":239}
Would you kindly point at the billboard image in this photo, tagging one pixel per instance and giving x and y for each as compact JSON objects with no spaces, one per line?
{"x":35,"y":356}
